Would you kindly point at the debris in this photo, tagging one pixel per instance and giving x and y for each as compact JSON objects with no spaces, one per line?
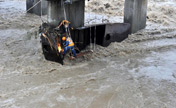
{"x":107,"y":5}
{"x":80,"y":55}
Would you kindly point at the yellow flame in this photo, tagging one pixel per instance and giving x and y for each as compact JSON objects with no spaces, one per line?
{"x":59,"y":48}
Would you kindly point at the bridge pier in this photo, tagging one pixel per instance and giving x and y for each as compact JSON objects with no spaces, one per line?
{"x":135,"y":12}
{"x":74,"y":12}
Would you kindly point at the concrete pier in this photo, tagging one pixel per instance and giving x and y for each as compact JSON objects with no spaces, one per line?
{"x":37,"y":9}
{"x":135,"y":12}
{"x":74,"y":12}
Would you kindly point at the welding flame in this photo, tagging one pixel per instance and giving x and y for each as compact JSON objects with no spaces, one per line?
{"x":59,"y":48}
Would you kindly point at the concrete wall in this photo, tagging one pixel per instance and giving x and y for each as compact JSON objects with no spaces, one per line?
{"x":135,"y":13}
{"x":37,"y":9}
{"x":74,"y":13}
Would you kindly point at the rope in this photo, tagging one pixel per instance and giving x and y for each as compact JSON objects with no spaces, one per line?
{"x":65,"y":16}
{"x":40,"y":10}
{"x":33,"y":6}
{"x":90,"y":29}
{"x":95,"y":36}
{"x":91,"y":46}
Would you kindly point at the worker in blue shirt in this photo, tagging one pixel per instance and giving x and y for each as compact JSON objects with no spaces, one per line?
{"x":69,"y":45}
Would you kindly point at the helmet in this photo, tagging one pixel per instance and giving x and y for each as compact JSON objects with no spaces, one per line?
{"x":64,"y":38}
{"x":65,"y":22}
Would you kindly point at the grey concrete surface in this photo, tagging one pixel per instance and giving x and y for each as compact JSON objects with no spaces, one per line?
{"x":74,"y":13}
{"x":37,"y":9}
{"x":135,"y":12}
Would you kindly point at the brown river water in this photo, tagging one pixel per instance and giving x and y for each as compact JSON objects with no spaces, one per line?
{"x":139,"y":72}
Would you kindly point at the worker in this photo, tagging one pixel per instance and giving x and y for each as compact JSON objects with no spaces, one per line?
{"x":69,"y":45}
{"x":66,"y":26}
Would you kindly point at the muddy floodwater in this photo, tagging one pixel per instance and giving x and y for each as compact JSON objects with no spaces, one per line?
{"x":139,"y":72}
